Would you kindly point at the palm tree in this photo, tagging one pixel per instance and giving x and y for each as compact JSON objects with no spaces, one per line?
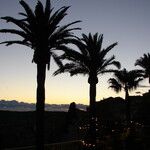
{"x":90,"y":59}
{"x":41,"y":31}
{"x":144,"y":63}
{"x":127,"y":81}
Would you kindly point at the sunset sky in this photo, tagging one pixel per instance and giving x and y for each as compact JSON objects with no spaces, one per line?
{"x":124,"y":21}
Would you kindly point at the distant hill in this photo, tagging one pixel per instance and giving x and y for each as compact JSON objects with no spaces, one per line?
{"x":14,"y":105}
{"x":111,"y":109}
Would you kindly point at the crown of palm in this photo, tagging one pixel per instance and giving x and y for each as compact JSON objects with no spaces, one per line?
{"x":125,"y":79}
{"x":40,"y":29}
{"x":90,"y":56}
{"x":144,"y":62}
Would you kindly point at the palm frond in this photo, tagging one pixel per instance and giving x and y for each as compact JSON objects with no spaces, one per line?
{"x":62,"y":28}
{"x":134,"y":85}
{"x":79,"y":69}
{"x":106,"y":63}
{"x":8,"y":43}
{"x":24,"y":26}
{"x":64,"y":68}
{"x":95,"y":37}
{"x":111,"y":47}
{"x":115,"y":85}
{"x":116,"y":64}
{"x":101,"y":58}
{"x":56,"y":18}
{"x":72,"y":54}
{"x":100,"y":41}
{"x":144,"y":63}
{"x":22,"y":14}
{"x":80,"y":45}
{"x":85,"y":38}
{"x":48,"y":9}
{"x":72,"y":68}
{"x":29,"y":12}
{"x":103,"y":53}
{"x":63,"y":35}
{"x":104,"y":71}
{"x":111,"y":62}
{"x":57,"y":60}
{"x":13,"y":31}
{"x":39,"y":11}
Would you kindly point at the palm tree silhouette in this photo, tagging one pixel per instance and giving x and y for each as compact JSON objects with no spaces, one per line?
{"x":144,"y":63}
{"x":90,"y":59}
{"x":127,"y":81}
{"x":41,"y":31}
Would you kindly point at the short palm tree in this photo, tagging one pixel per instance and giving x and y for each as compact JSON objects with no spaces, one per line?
{"x":90,"y":59}
{"x":144,"y":63}
{"x":127,"y":81}
{"x":41,"y":31}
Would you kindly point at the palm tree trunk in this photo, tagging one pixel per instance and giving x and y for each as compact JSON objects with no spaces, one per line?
{"x":40,"y":104}
{"x":92,"y":113}
{"x":128,"y":111}
{"x":93,"y":80}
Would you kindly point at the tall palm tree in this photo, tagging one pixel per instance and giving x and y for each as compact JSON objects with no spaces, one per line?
{"x":89,"y":59}
{"x":127,"y":81}
{"x":41,"y":31}
{"x":144,"y":63}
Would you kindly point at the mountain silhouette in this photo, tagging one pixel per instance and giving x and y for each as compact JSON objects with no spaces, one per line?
{"x":14,"y":105}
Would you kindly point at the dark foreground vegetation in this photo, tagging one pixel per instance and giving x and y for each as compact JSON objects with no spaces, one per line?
{"x":17,"y":129}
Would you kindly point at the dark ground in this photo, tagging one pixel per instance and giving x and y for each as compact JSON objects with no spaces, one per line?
{"x":18,"y":128}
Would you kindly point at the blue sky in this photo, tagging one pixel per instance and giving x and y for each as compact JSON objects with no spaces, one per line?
{"x":124,"y":21}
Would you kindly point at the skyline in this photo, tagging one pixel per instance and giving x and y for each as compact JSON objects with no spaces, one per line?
{"x":125,"y":22}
